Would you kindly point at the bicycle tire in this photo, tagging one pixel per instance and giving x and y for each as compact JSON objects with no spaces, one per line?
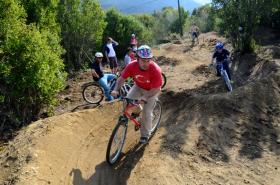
{"x":94,"y":88}
{"x":112,"y":160}
{"x":164,"y":79}
{"x":227,"y":81}
{"x":156,"y":125}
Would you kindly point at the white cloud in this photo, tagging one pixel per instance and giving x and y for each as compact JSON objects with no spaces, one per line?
{"x":203,"y":1}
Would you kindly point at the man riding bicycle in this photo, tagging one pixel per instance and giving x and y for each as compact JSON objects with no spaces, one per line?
{"x":100,"y":77}
{"x":147,"y":85}
{"x":222,"y":56}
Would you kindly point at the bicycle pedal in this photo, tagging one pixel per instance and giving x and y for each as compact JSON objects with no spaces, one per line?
{"x":135,"y":115}
{"x":136,"y":128}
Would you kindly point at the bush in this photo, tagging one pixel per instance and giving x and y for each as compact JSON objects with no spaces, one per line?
{"x":31,"y":71}
{"x":82,"y":25}
{"x":120,"y":27}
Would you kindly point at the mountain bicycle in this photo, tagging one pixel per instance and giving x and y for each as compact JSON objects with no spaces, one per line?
{"x":118,"y":136}
{"x":93,"y":93}
{"x":224,"y":75}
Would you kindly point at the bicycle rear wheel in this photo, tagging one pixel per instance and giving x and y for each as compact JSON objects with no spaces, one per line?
{"x":164,"y":79}
{"x":116,"y":141}
{"x":93,"y":93}
{"x":156,"y":116}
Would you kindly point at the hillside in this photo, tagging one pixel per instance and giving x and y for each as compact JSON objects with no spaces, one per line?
{"x":146,"y":6}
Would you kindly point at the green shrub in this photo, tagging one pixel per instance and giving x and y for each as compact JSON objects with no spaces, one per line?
{"x":31,"y":70}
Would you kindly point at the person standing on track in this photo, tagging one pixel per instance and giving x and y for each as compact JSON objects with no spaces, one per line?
{"x":133,"y":42}
{"x":147,"y":85}
{"x":111,"y":54}
{"x":194,"y":31}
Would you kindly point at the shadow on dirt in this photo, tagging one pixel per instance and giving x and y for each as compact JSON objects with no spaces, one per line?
{"x":85,"y":106}
{"x":112,"y":175}
{"x":247,"y":118}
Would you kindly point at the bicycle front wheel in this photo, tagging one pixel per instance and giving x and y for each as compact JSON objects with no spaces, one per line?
{"x":93,"y":93}
{"x":116,"y":142}
{"x":156,"y":116}
{"x":227,"y":81}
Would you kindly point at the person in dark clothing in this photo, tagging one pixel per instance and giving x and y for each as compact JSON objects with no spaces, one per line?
{"x":100,"y":77}
{"x":222,"y":56}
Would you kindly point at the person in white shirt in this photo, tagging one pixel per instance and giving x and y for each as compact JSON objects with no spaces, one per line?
{"x":127,"y":58}
{"x":111,"y":54}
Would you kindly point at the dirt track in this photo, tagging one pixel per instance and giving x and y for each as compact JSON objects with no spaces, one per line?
{"x":207,"y":136}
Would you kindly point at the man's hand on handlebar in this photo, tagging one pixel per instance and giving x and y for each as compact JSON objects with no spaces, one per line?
{"x":115,"y":94}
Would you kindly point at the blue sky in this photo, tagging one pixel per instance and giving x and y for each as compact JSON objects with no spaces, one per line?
{"x":203,"y":1}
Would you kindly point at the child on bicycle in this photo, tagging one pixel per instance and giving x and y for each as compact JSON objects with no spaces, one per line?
{"x":100,"y":77}
{"x":147,"y":85}
{"x":222,"y":56}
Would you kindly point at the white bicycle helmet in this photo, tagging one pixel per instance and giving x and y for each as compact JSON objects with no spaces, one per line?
{"x":98,"y":55}
{"x":144,"y":52}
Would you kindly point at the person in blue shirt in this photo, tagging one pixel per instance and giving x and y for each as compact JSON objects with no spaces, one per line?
{"x":100,"y":77}
{"x":222,"y":56}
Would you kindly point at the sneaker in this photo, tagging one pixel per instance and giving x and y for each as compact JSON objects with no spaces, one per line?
{"x":143,"y":140}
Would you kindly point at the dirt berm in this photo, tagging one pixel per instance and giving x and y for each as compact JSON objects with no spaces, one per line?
{"x":207,"y":136}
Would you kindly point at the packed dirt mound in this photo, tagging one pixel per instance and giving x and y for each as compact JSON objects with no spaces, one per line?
{"x":207,"y":136}
{"x":161,"y":60}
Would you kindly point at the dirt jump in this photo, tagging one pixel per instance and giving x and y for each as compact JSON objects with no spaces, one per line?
{"x":206,"y":136}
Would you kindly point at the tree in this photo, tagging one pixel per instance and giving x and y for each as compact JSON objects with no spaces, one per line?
{"x":31,"y":71}
{"x":82,"y":25}
{"x":120,"y":27}
{"x":247,"y":14}
{"x":147,"y":20}
{"x":175,"y":26}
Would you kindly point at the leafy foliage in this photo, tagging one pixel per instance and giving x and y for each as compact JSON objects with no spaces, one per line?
{"x":82,"y":25}
{"x":248,"y":14}
{"x":31,"y":71}
{"x":120,"y":27}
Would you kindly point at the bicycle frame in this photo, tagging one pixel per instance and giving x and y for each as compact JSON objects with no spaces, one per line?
{"x":221,"y":69}
{"x":129,"y":116}
{"x":224,"y":75}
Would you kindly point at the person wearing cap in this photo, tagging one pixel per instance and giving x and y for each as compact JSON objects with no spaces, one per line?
{"x":147,"y":79}
{"x":100,"y":77}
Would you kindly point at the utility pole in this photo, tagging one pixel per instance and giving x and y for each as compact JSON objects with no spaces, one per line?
{"x":180,"y":19}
